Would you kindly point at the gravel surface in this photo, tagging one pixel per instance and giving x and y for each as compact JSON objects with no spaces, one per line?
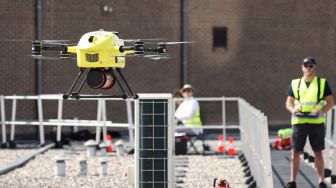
{"x":8,"y":155}
{"x":202,"y":170}
{"x":199,"y":171}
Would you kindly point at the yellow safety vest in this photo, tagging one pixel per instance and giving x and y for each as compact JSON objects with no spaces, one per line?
{"x":195,"y":121}
{"x":307,"y":99}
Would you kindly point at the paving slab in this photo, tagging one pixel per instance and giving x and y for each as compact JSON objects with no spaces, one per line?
{"x":306,"y":177}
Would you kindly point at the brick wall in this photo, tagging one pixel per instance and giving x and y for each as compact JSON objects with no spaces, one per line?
{"x":267,"y":41}
{"x":266,"y":44}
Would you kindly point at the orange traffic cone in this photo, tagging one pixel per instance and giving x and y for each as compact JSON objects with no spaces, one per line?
{"x":220,"y":145}
{"x":109,"y":143}
{"x":230,"y":149}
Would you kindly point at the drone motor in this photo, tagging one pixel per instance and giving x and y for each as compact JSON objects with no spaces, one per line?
{"x":139,"y":48}
{"x":161,"y":49}
{"x":100,"y":79}
{"x":37,"y":48}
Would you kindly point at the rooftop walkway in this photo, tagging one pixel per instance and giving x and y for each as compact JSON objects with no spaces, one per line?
{"x":306,"y":177}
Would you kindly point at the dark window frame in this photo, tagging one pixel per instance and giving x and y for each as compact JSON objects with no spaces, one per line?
{"x":220,"y":37}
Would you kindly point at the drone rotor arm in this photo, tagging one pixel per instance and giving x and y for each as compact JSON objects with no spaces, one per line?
{"x":72,"y":49}
{"x":126,"y":48}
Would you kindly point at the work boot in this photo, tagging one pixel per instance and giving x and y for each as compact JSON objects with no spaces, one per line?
{"x":291,"y":184}
{"x":323,"y":185}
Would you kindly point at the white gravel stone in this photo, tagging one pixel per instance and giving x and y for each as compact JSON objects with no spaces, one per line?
{"x":40,"y":172}
{"x":8,"y":155}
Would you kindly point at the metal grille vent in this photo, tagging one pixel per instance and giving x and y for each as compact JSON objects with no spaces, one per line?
{"x":92,"y":57}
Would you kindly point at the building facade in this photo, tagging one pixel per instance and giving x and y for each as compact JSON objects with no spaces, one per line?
{"x":250,"y":49}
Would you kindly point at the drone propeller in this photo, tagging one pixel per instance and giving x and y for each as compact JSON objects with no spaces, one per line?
{"x":50,"y":58}
{"x":144,"y":40}
{"x":184,"y":42}
{"x":58,"y":43}
{"x":43,"y":57}
{"x":55,"y":41}
{"x":161,"y":58}
{"x":16,"y":40}
{"x":158,"y":57}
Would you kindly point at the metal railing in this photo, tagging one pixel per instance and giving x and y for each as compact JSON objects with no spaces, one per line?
{"x":223,"y":126}
{"x":255,"y":143}
{"x":254,"y":135}
{"x":100,"y":123}
{"x":253,"y":127}
{"x":330,"y":143}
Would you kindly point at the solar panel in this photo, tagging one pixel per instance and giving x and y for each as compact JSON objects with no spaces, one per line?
{"x":153,"y":144}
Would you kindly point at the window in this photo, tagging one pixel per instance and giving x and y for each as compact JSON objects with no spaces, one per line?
{"x":219,"y":37}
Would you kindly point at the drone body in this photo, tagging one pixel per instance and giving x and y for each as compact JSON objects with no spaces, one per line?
{"x":103,"y":54}
{"x":99,"y":49}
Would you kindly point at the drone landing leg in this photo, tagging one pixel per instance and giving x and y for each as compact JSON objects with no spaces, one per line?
{"x":81,"y":85}
{"x":128,"y":87}
{"x":119,"y":84}
{"x":66,"y":96}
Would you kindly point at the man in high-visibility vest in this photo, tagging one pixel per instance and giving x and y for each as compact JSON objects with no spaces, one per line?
{"x":189,"y":111}
{"x":309,"y":99}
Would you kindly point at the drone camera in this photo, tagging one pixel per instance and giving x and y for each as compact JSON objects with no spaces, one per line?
{"x":37,"y":48}
{"x":100,"y":79}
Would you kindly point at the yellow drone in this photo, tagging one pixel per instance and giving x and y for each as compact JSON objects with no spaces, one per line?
{"x":102,"y":53}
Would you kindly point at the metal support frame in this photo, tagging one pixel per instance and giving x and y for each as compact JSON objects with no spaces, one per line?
{"x":40,"y":118}
{"x":3,"y":119}
{"x":253,"y":122}
{"x":59,"y":118}
{"x":76,"y":95}
{"x":184,"y":37}
{"x":130,"y":120}
{"x":333,"y":169}
{"x":99,"y":118}
{"x":330,"y":152}
{"x":131,"y":94}
{"x":224,"y":121}
{"x":13,"y":119}
{"x":59,"y":122}
{"x":328,"y":137}
{"x":104,"y":120}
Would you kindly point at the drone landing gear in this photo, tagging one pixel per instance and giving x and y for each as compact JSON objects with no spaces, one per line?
{"x":101,"y":79}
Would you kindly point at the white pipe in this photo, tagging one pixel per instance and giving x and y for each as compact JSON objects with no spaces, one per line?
{"x":173,"y":130}
{"x":99,"y":117}
{"x":130,"y":122}
{"x":82,"y":123}
{"x":59,"y":118}
{"x":136,"y":142}
{"x":13,"y":119}
{"x":104,"y":119}
{"x":334,"y":149}
{"x":3,"y":119}
{"x":58,"y":96}
{"x":40,"y":116}
{"x":224,"y":122}
{"x":328,"y":137}
{"x":171,"y":143}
